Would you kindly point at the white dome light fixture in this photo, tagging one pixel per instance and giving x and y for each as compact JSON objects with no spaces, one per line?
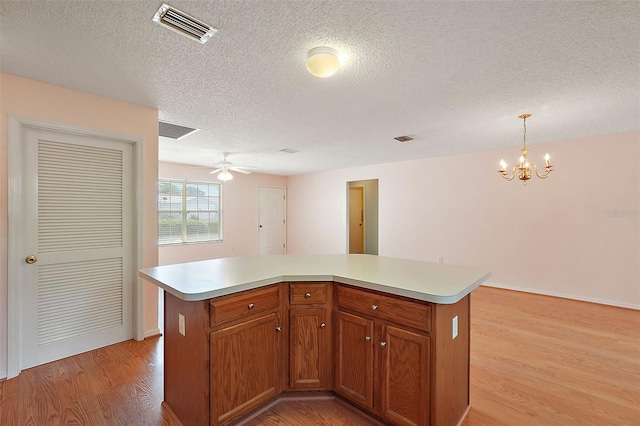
{"x":323,"y":62}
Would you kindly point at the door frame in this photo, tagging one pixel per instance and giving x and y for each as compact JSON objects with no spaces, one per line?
{"x":14,"y":243}
{"x":284,"y":211}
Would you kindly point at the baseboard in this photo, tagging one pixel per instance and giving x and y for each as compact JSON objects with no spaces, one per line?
{"x":564,"y":296}
{"x":152,"y":333}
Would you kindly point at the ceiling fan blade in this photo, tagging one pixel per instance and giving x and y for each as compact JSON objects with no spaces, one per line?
{"x":239,"y":170}
{"x":213,"y":172}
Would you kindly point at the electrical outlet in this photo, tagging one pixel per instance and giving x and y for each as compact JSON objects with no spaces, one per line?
{"x":454,"y":327}
{"x":440,"y":259}
{"x":182,"y":325}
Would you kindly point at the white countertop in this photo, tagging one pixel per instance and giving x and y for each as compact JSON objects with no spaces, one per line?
{"x":432,"y":282}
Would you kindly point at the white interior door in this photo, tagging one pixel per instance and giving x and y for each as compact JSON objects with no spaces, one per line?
{"x":77,"y":210}
{"x":272,"y":220}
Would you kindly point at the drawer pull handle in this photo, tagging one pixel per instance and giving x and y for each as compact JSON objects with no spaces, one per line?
{"x":250,"y":306}
{"x":278,"y":329}
{"x":374,"y":307}
{"x":323,"y":325}
{"x":383,"y":344}
{"x":308,"y":295}
{"x":367,"y":338}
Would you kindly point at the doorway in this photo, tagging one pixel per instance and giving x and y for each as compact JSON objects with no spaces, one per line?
{"x":362,"y":217}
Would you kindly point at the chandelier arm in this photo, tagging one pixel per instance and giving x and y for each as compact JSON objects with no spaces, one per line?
{"x":513,"y":173}
{"x":545,"y":174}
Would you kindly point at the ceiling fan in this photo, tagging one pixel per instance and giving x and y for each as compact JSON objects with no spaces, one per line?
{"x":223,"y":168}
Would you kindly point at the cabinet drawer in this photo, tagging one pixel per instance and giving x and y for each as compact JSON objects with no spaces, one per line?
{"x":400,"y":311}
{"x":250,"y":304}
{"x":307,"y":293}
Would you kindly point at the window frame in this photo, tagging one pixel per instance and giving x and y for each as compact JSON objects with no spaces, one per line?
{"x":184,"y":212}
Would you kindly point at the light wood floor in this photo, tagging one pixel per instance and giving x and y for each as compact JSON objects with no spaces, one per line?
{"x":535,"y":360}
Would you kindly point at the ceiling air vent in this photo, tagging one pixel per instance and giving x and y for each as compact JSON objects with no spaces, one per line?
{"x":404,"y":138}
{"x":173,"y":131}
{"x":288,"y":150}
{"x":184,"y":24}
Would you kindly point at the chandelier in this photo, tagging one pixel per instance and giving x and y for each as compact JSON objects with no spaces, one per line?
{"x":524,"y":167}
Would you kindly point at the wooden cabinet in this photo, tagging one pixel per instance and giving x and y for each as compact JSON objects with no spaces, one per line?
{"x":244,"y":367}
{"x":354,"y":359}
{"x":404,"y":371}
{"x":246,"y":349}
{"x":310,"y":363}
{"x":369,"y":342}
{"x":395,"y":357}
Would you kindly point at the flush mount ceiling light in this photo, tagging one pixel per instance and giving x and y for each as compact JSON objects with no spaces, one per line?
{"x":524,"y":167}
{"x":323,"y":62}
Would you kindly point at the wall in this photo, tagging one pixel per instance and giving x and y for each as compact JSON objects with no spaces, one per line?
{"x":575,"y":234}
{"x":239,"y":215}
{"x":32,"y":99}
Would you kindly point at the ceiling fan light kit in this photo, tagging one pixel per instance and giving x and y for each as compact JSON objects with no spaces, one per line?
{"x":224,"y":176}
{"x":223,"y":169}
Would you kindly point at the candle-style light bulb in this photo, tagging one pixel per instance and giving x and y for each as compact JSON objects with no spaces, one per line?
{"x":547,"y":157}
{"x":521,"y":159}
{"x":503,"y":165}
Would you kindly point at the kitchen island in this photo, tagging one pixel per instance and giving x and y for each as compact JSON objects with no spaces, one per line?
{"x":391,"y":336}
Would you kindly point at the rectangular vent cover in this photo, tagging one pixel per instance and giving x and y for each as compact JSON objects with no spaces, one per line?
{"x":173,"y":131}
{"x":404,"y":138}
{"x":184,"y":24}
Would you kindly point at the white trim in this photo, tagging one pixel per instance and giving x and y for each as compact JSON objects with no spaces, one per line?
{"x":564,"y":296}
{"x":16,"y":125}
{"x":152,"y":332}
{"x":138,"y":309}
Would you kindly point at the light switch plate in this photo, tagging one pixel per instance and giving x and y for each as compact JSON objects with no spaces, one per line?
{"x":454,"y":327}
{"x":182,"y":325}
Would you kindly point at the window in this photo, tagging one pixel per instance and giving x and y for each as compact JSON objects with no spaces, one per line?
{"x":188,"y":212}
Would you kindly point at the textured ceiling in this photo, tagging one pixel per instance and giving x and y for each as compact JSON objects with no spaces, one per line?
{"x":453,"y":75}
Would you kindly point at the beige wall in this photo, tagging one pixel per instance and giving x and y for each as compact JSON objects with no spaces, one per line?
{"x":27,"y":98}
{"x":574,"y":234}
{"x":239,"y":215}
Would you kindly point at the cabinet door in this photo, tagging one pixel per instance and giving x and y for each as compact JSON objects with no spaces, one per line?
{"x":354,"y":360}
{"x":244,"y":367}
{"x":309,"y":345}
{"x":404,"y":357}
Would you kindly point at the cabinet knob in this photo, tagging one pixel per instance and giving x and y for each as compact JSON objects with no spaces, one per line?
{"x":367,"y":338}
{"x":374,"y":307}
{"x":250,"y":306}
{"x":278,"y":329}
{"x":308,"y":295}
{"x":383,"y":344}
{"x":323,"y":325}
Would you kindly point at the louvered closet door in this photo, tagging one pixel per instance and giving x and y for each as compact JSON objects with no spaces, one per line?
{"x":79,"y":199}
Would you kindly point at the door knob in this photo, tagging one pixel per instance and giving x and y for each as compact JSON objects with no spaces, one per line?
{"x":383,"y":344}
{"x":374,"y":307}
{"x":323,"y":325}
{"x":31,"y":259}
{"x":308,"y":295}
{"x":278,"y":329}
{"x":251,"y":305}
{"x":367,"y":338}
